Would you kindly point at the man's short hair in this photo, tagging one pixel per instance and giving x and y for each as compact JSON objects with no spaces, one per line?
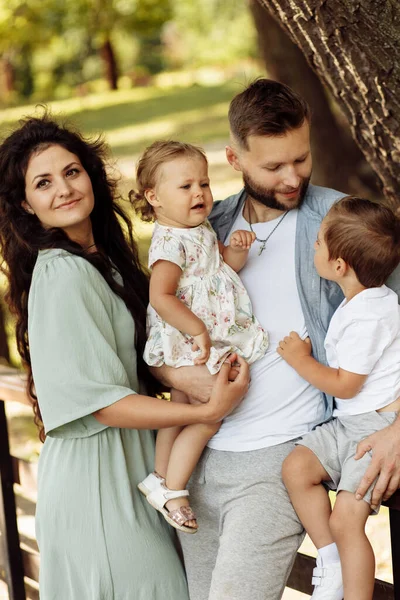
{"x":366,"y":235}
{"x":267,"y":108}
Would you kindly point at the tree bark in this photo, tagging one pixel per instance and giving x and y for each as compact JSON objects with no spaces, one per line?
{"x":339,"y":163}
{"x":354,"y":46}
{"x":110,"y":64}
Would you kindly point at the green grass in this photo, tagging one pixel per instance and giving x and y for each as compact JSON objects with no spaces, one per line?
{"x":131,"y":119}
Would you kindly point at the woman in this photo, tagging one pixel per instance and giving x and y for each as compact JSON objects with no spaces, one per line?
{"x":80,"y":299}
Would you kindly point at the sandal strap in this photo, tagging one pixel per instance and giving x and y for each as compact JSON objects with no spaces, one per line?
{"x":182,"y":515}
{"x":162,"y":494}
{"x":171,"y":494}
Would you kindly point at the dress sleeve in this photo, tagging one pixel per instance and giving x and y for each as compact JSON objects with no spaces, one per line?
{"x":75,"y":364}
{"x":166,"y":246}
{"x":362,"y":345}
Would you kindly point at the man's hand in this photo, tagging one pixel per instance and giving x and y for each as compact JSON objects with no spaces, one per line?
{"x":385,"y":463}
{"x":292,"y":348}
{"x":241,"y":239}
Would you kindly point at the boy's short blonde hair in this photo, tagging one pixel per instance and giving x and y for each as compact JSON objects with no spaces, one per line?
{"x":148,"y":168}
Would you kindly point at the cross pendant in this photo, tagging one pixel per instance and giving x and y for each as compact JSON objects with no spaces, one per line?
{"x":262,"y":248}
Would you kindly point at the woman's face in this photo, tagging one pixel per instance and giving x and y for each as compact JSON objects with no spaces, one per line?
{"x":59,"y":192}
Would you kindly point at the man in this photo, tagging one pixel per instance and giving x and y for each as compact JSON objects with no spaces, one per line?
{"x":248,"y":531}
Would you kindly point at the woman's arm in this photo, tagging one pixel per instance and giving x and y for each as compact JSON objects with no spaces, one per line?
{"x":143,"y":412}
{"x":164,"y":281}
{"x":335,"y":382}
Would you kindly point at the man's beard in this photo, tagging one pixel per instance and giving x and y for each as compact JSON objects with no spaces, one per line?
{"x":268,"y":197}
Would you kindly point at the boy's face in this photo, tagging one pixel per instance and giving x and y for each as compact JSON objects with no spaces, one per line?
{"x":325,"y":268}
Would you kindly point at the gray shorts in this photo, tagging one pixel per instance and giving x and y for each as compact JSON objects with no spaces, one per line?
{"x":335,"y":442}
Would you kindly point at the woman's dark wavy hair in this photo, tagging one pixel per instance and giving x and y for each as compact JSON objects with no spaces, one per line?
{"x":22,"y":235}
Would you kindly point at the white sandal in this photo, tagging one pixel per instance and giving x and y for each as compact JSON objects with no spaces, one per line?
{"x":177,"y":517}
{"x":150,"y":483}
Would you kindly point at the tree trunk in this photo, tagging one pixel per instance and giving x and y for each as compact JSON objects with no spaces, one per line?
{"x":354,"y":46}
{"x":343,"y":166}
{"x":7,"y":76}
{"x":110,"y":64}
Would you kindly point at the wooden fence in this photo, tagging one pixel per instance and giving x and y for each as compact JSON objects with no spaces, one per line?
{"x":20,"y":564}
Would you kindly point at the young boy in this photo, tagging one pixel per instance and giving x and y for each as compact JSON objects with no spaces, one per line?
{"x":358,"y":246}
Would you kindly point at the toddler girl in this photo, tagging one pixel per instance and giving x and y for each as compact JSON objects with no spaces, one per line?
{"x":199,"y":311}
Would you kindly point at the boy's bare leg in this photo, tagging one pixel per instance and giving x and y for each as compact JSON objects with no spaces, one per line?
{"x":166,"y":437}
{"x":347,"y":524}
{"x":302,"y":475}
{"x":184,"y":456}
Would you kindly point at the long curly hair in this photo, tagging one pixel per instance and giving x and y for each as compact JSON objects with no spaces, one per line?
{"x":22,"y":234}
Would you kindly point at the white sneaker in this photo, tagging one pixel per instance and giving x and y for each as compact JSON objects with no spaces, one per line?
{"x":328,"y":582}
{"x":150,"y":483}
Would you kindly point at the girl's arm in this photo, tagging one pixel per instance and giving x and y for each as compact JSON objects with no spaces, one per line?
{"x":235,"y":255}
{"x":335,"y":382}
{"x":164,"y":281}
{"x":143,"y":412}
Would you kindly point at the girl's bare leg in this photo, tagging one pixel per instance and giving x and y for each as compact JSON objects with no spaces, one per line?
{"x":347,"y":524}
{"x":184,"y":456}
{"x":166,"y":437}
{"x":302,"y":475}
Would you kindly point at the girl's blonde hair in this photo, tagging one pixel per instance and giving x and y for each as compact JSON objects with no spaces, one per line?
{"x":148,"y":167}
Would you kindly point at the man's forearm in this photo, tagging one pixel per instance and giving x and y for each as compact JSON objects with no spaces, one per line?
{"x":194,"y":381}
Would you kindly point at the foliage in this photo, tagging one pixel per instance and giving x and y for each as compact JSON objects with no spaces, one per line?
{"x":54,"y":48}
{"x":211,"y":31}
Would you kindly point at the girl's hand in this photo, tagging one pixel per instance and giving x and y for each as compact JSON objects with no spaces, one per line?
{"x":202,"y":342}
{"x":227,"y":395}
{"x":292,"y":348}
{"x":241,"y":240}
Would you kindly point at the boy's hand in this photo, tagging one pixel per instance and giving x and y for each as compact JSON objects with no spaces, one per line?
{"x":241,"y":240}
{"x":202,"y":342}
{"x":292,"y":348}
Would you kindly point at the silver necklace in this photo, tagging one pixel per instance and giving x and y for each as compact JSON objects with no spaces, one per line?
{"x":264,"y":242}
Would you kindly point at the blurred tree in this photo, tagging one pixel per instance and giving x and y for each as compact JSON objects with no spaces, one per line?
{"x":211,"y":32}
{"x":103,"y":20}
{"x":17,"y":22}
{"x":344,"y":167}
{"x":148,"y":21}
{"x":355,"y":48}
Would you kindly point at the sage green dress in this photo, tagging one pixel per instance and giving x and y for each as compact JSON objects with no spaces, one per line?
{"x":98,"y":537}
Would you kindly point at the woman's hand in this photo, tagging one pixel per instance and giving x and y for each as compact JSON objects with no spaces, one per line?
{"x":227,"y":395}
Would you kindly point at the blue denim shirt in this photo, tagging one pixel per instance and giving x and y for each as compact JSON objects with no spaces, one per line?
{"x":319,"y":297}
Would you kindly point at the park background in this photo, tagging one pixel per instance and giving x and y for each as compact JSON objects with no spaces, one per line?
{"x":139,"y":70}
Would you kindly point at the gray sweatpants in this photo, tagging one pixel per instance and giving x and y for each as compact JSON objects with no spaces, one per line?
{"x":248,"y":531}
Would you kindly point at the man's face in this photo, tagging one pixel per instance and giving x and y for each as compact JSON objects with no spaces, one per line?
{"x":276,"y":170}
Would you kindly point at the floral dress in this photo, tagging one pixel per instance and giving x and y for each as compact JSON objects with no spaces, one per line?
{"x":212,"y":291}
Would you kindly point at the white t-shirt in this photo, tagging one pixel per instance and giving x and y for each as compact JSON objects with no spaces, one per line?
{"x":364,"y":338}
{"x":280,"y":405}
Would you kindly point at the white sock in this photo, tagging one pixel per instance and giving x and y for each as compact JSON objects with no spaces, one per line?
{"x":328,"y":555}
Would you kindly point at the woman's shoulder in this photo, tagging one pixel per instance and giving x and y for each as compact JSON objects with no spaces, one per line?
{"x":60,"y":269}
